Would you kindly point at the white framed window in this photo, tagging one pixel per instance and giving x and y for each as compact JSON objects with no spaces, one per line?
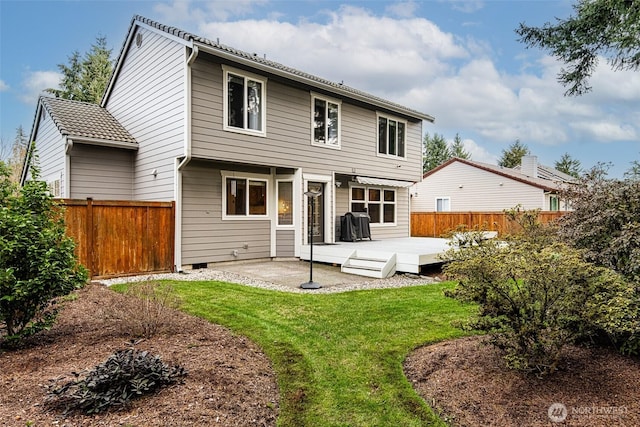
{"x":378,"y":202}
{"x":325,"y":121}
{"x":244,"y":103}
{"x":244,"y":196}
{"x":284,"y":195}
{"x":443,"y":204}
{"x":391,"y":137}
{"x":554,"y":203}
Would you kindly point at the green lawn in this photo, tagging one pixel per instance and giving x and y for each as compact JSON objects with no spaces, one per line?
{"x":338,"y":357}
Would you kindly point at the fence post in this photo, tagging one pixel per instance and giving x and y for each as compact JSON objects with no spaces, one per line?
{"x":89,"y":233}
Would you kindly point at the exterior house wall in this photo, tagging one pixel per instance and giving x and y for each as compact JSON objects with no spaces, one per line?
{"x":50,"y":148}
{"x":481,"y":191}
{"x":206,"y":237}
{"x":101,"y":173}
{"x":148,"y":99}
{"x":288,"y":133}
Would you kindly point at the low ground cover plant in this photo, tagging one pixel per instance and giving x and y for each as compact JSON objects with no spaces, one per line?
{"x":125,"y":375}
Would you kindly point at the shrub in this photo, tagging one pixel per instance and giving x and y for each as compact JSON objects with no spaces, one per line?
{"x":149,"y":309}
{"x":125,"y":375}
{"x":534,"y":295}
{"x":37,"y":260}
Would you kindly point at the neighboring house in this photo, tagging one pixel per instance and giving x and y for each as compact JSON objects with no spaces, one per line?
{"x":460,"y":185}
{"x":235,"y":140}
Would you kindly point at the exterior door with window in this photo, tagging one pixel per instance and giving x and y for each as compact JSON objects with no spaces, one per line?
{"x":317,"y":221}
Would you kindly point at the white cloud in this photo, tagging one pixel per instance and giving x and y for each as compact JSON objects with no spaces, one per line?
{"x":184,"y":11}
{"x":403,"y":9}
{"x":36,"y":82}
{"x":3,"y":86}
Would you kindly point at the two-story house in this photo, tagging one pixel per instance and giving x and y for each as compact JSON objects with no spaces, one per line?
{"x":235,"y":140}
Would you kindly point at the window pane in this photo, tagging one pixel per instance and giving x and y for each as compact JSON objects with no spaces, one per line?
{"x":374,"y":195}
{"x":392,"y":137}
{"x":400,"y":139}
{"x":389,"y":196}
{"x":374,"y":212}
{"x":257,"y":198}
{"x":235,"y":86}
{"x":357,"y":193}
{"x":236,"y":196}
{"x":357,"y":207}
{"x":285,"y":203}
{"x":254,"y":105}
{"x":442,"y":205}
{"x":382,"y":135}
{"x":319,"y":121}
{"x":389,"y":213}
{"x":332,"y":128}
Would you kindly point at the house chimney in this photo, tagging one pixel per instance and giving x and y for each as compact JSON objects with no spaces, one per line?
{"x":529,"y":166}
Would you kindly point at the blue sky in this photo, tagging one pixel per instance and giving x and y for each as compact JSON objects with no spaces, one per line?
{"x":458,"y":61}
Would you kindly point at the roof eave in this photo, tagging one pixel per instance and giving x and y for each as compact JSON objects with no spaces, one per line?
{"x":102,"y":142}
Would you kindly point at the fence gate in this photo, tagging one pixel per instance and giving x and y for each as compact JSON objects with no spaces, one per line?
{"x":117,"y":238}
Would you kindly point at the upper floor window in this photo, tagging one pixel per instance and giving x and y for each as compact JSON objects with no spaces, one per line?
{"x":244,"y":107}
{"x":326,"y":122}
{"x":391,"y":137}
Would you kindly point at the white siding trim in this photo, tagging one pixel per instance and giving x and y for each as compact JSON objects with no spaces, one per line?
{"x":329,"y":221}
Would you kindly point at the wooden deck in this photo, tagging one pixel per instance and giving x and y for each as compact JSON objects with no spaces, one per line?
{"x":411,"y":252}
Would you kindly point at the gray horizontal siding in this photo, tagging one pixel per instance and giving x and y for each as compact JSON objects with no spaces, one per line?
{"x":288,"y":140}
{"x":206,"y":237}
{"x":50,"y":148}
{"x":148,"y":99}
{"x":285,"y":243}
{"x":101,"y":173}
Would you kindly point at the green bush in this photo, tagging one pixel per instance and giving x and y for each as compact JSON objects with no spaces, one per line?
{"x":37,"y":260}
{"x":535,"y":295}
{"x":125,"y":375}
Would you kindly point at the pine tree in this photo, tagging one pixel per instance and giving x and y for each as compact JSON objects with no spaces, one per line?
{"x":569,"y":165}
{"x":435,"y":151}
{"x":457,"y":149}
{"x":86,"y":78}
{"x":512,"y":156}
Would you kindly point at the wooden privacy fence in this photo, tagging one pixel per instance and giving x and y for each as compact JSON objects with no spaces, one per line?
{"x":437,"y":224}
{"x":116,"y":238}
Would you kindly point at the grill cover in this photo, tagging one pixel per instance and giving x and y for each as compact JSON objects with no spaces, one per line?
{"x":355,"y":226}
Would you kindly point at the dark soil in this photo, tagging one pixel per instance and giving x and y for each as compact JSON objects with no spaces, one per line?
{"x":230,"y":382}
{"x":466,"y":382}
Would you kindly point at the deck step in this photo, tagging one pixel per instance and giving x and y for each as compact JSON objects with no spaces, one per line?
{"x":369,"y":266}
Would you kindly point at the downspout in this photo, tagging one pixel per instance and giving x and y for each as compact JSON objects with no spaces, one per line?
{"x":67,"y":168}
{"x":180,"y":165}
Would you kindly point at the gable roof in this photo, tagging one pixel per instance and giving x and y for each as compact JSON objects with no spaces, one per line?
{"x":548,"y":180}
{"x":260,"y":63}
{"x":85,"y":121}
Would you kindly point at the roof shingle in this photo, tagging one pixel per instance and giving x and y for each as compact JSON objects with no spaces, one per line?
{"x":85,"y":120}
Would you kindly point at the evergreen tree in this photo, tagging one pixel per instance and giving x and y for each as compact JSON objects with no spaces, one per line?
{"x":569,"y":165}
{"x":435,"y":151}
{"x":600,"y":28}
{"x":512,"y":156}
{"x":457,"y":149}
{"x":86,"y":78}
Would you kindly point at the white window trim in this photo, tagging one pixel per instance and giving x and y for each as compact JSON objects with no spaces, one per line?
{"x":435,"y":208}
{"x":338,"y":102}
{"x":246,"y":176}
{"x":293,"y":204}
{"x":381,"y":203}
{"x":225,"y":101}
{"x":406,"y":128}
